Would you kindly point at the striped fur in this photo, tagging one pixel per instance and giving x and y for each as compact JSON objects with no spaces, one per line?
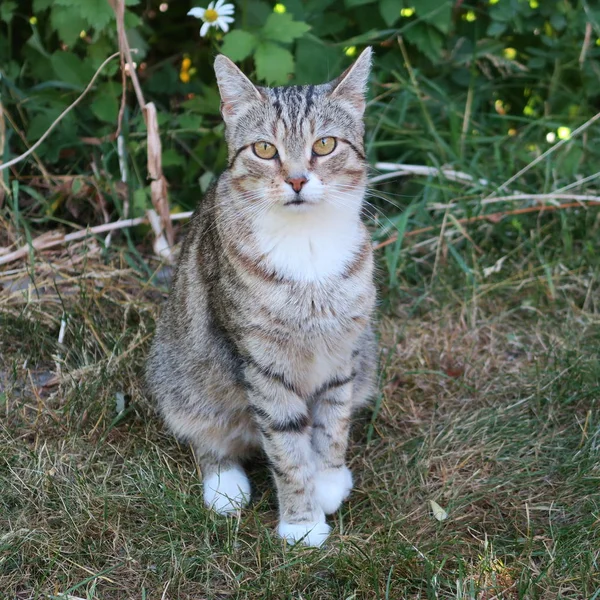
{"x":266,"y":340}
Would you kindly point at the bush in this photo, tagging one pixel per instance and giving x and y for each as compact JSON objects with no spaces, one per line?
{"x":452,"y":80}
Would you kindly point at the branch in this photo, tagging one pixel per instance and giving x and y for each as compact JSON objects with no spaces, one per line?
{"x":158,"y":183}
{"x":400,"y":170}
{"x":54,"y":238}
{"x":493,"y":217}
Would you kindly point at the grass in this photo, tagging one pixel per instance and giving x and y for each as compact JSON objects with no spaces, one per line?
{"x":489,"y":407}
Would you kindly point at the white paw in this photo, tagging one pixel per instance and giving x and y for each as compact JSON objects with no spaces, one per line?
{"x":332,"y":487}
{"x":309,"y":534}
{"x":227,"y":492}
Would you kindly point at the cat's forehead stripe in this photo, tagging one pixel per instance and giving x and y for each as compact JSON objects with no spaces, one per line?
{"x":290,"y":117}
{"x":288,"y":104}
{"x":293,"y":103}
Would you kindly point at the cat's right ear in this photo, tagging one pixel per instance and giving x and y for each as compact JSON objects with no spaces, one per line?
{"x":235,"y":88}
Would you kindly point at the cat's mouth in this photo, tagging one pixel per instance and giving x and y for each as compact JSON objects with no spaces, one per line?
{"x":300,"y":200}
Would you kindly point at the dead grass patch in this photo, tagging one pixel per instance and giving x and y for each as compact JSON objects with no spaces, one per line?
{"x":494,"y":418}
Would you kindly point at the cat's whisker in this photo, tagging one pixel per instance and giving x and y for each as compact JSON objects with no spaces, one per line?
{"x":381,"y":213}
{"x":371,"y":192}
{"x":364,"y":200}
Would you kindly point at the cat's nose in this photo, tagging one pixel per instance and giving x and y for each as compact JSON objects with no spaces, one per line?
{"x":296,"y":182}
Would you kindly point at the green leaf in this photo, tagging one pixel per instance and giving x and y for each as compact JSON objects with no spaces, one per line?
{"x":67,"y":23}
{"x":316,"y":62}
{"x":141,"y":201}
{"x":7,"y":10}
{"x":207,"y":103}
{"x":536,"y":63}
{"x":297,"y":9}
{"x":97,"y":13}
{"x":330,"y":24}
{"x":390,"y":10}
{"x":40,"y":5}
{"x":558,"y":21}
{"x":502,"y":11}
{"x":436,"y":13}
{"x":351,"y":3}
{"x":136,"y":40}
{"x":283,"y":28}
{"x":238,"y":45}
{"x":189,"y":121}
{"x":273,"y":63}
{"x":106,"y":105}
{"x":172,"y":158}
{"x":496,"y":28}
{"x":427,"y":39}
{"x":68,"y":67}
{"x":40,"y":123}
{"x":317,"y":6}
{"x":99,"y":50}
{"x":132,"y":20}
{"x":255,"y":13}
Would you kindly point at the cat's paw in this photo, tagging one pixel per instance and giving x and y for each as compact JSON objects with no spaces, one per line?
{"x":309,"y":534}
{"x":332,"y":487}
{"x":227,"y":492}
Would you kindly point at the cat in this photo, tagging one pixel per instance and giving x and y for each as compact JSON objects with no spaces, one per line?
{"x":267,"y":340}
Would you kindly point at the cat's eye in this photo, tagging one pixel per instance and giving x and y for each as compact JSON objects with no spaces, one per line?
{"x":324,"y":146}
{"x":264,"y":150}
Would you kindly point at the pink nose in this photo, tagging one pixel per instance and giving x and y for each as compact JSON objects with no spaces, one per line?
{"x":296,"y":182}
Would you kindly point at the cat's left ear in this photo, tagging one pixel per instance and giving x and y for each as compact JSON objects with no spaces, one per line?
{"x":351,"y":85}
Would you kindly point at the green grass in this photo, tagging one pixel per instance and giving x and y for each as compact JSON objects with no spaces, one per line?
{"x":489,"y":406}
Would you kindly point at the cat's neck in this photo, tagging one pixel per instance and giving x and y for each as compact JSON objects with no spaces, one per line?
{"x":311,"y":245}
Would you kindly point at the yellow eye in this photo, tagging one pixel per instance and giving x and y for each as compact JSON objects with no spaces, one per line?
{"x":324,"y":146}
{"x":264,"y":150}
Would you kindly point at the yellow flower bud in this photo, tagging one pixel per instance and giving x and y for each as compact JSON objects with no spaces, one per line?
{"x":564,"y":133}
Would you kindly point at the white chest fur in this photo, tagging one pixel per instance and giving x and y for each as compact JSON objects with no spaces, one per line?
{"x":309,"y":245}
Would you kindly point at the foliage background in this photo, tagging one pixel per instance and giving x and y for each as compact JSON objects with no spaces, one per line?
{"x":491,"y":77}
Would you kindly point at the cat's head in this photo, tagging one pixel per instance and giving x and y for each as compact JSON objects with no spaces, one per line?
{"x":296,"y":146}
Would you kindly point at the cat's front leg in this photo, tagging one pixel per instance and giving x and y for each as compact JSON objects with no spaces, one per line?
{"x":285,"y":425}
{"x":332,"y":410}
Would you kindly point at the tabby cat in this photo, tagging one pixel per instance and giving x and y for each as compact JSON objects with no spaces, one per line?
{"x":267,"y":338}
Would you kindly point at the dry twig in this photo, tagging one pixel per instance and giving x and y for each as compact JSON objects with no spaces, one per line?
{"x":400,"y":170}
{"x":493,"y":217}
{"x":56,"y":238}
{"x":158,"y":184}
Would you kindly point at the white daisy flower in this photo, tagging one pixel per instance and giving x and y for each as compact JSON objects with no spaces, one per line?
{"x":215,"y":15}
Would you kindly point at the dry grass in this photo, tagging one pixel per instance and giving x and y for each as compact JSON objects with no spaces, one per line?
{"x":488,"y":407}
